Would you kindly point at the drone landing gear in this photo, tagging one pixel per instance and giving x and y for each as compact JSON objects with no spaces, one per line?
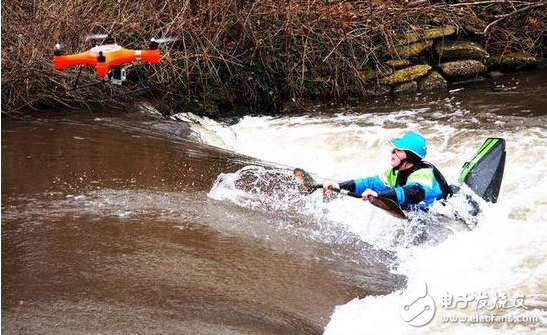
{"x":117,"y":76}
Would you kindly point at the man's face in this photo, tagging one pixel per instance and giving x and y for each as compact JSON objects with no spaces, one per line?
{"x":397,"y":156}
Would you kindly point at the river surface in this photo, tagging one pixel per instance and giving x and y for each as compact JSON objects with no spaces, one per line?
{"x":130,"y":223}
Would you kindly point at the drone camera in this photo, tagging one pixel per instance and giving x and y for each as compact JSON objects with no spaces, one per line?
{"x":117,"y":76}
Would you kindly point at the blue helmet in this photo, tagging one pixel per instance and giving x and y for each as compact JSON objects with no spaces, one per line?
{"x":411,"y":141}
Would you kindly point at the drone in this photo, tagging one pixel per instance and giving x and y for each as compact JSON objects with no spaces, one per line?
{"x":109,"y":59}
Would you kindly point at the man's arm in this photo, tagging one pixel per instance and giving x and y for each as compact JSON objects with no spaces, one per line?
{"x":408,"y":194}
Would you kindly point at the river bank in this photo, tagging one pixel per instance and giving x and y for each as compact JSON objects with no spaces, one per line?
{"x":233,"y":55}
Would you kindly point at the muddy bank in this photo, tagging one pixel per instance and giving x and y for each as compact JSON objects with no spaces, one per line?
{"x":259,"y":54}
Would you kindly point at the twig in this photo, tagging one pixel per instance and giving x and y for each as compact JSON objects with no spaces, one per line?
{"x":523,"y":9}
{"x":416,"y":3}
{"x":476,"y":3}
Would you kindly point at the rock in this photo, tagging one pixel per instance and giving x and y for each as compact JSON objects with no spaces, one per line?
{"x":368,"y":75}
{"x":411,"y":50}
{"x":462,"y":69}
{"x":433,"y":33}
{"x":397,"y":63}
{"x":405,"y":88}
{"x":512,"y":61}
{"x":460,"y":50}
{"x":379,"y":91}
{"x":429,"y":34}
{"x":473,"y":28}
{"x":406,"y":74}
{"x":433,"y":81}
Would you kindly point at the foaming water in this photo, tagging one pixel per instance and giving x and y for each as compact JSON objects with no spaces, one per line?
{"x":505,"y":252}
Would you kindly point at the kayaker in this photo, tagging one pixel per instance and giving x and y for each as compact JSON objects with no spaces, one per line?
{"x":411,"y":182}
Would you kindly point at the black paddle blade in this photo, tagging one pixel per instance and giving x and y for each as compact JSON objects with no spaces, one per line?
{"x":306,"y":183}
{"x":388,"y":205}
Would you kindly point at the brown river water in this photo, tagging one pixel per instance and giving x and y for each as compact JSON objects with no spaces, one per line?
{"x":107,"y":226}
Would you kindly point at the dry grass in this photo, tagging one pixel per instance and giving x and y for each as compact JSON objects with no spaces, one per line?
{"x":230,"y":52}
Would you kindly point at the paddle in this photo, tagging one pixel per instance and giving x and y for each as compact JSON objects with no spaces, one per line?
{"x":307,"y":185}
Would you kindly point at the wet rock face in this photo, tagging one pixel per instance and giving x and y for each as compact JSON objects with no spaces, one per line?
{"x":406,"y":74}
{"x":405,"y":88}
{"x":512,"y":61}
{"x":460,"y":50}
{"x":409,"y":64}
{"x":433,"y":81}
{"x":462,"y":69}
{"x":412,"y":50}
{"x":415,"y":53}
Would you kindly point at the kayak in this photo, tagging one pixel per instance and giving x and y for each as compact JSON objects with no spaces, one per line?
{"x":484,"y":172}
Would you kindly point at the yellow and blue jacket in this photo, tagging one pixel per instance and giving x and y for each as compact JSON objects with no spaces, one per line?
{"x":417,"y":187}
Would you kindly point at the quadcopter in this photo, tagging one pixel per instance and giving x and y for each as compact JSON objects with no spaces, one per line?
{"x":109,"y":59}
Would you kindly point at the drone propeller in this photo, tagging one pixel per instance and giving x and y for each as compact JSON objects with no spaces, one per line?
{"x":164,"y":40}
{"x":155,"y":42}
{"x":96,"y":37}
{"x":109,"y":38}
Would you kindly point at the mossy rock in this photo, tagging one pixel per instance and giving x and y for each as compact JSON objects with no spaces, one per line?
{"x":369,"y":75}
{"x":460,"y":50}
{"x":429,"y":34}
{"x":405,"y":88}
{"x":512,"y":61}
{"x":433,"y":81}
{"x":462,"y":69}
{"x":397,"y":63}
{"x":411,"y":50}
{"x":406,"y":74}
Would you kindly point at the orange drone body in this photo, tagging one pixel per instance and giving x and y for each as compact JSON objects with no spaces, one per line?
{"x":102,"y":57}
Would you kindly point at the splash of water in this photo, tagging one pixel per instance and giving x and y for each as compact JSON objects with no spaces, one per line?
{"x":506,"y":252}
